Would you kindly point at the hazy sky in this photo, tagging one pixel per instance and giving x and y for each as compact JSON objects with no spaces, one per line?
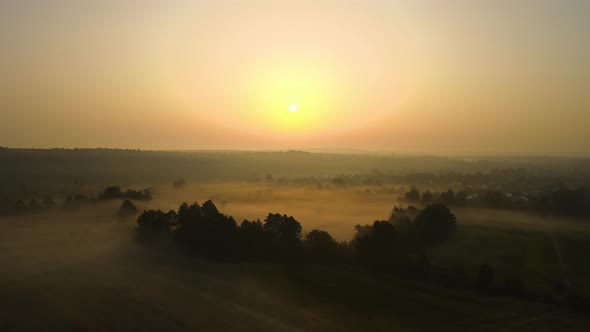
{"x":421,"y":76}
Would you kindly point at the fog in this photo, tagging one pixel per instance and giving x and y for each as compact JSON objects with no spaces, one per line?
{"x":80,"y":265}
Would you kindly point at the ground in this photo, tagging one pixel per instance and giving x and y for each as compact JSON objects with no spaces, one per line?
{"x":83,"y":270}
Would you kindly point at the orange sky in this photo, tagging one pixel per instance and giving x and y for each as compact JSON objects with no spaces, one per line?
{"x":413,"y":76}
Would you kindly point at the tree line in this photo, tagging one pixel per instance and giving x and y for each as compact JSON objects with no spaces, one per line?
{"x":203,"y":230}
{"x":561,"y":200}
{"x":398,"y":245}
{"x":11,"y":206}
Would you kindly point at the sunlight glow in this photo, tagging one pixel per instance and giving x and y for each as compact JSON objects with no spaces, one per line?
{"x":293,"y":108}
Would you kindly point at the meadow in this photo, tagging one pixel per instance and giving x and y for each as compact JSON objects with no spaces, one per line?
{"x":82,"y":268}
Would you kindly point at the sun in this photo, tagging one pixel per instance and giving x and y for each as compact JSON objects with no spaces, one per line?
{"x":293,"y":108}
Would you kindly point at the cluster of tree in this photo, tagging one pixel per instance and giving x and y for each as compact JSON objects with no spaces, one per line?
{"x":203,"y":230}
{"x":566,"y":201}
{"x":109,"y":193}
{"x":427,"y":197}
{"x":79,"y":199}
{"x":179,"y":184}
{"x":115,"y":192}
{"x":11,"y":206}
{"x":561,"y":201}
{"x":397,"y":245}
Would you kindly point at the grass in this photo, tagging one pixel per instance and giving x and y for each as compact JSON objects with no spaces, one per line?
{"x":528,"y":255}
{"x":83,"y":271}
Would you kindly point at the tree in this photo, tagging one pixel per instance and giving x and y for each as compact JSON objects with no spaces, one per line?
{"x":112,"y":192}
{"x":569,"y":201}
{"x":400,"y":216}
{"x":461,"y":198}
{"x":447,"y":197}
{"x":494,"y":199}
{"x":435,"y":224}
{"x":427,"y":197}
{"x":253,"y":240}
{"x":412,"y":196}
{"x":284,"y":236}
{"x":127,"y":209}
{"x":282,"y":227}
{"x":141,"y":195}
{"x":206,"y":231}
{"x":376,"y":245}
{"x":155,"y":223}
{"x":321,"y":246}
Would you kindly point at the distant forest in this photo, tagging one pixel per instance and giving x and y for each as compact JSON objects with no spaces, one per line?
{"x":33,"y":179}
{"x":29,"y":170}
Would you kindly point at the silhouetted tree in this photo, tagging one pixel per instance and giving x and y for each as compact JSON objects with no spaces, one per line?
{"x":153,"y":224}
{"x":569,"y":201}
{"x":447,"y":197}
{"x":112,"y":192}
{"x":141,"y":195}
{"x":321,"y":246}
{"x":412,"y":211}
{"x":206,"y":231}
{"x":427,"y":197}
{"x":127,"y":209}
{"x":403,"y":220}
{"x":400,"y":216}
{"x":115,"y":192}
{"x":435,"y":224}
{"x":253,"y":240}
{"x":461,"y":198}
{"x":494,"y":199}
{"x":375,"y":245}
{"x":78,"y":199}
{"x":284,"y":234}
{"x":412,"y":196}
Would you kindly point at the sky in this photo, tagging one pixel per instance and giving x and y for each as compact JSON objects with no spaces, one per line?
{"x":442,"y":77}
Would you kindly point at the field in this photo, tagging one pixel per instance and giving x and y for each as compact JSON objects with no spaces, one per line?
{"x":74,"y":270}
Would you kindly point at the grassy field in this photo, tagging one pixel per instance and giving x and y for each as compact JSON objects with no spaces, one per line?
{"x":59,"y":273}
{"x":83,"y":270}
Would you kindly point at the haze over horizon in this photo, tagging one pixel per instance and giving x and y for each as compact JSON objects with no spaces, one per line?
{"x":459,"y":77}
